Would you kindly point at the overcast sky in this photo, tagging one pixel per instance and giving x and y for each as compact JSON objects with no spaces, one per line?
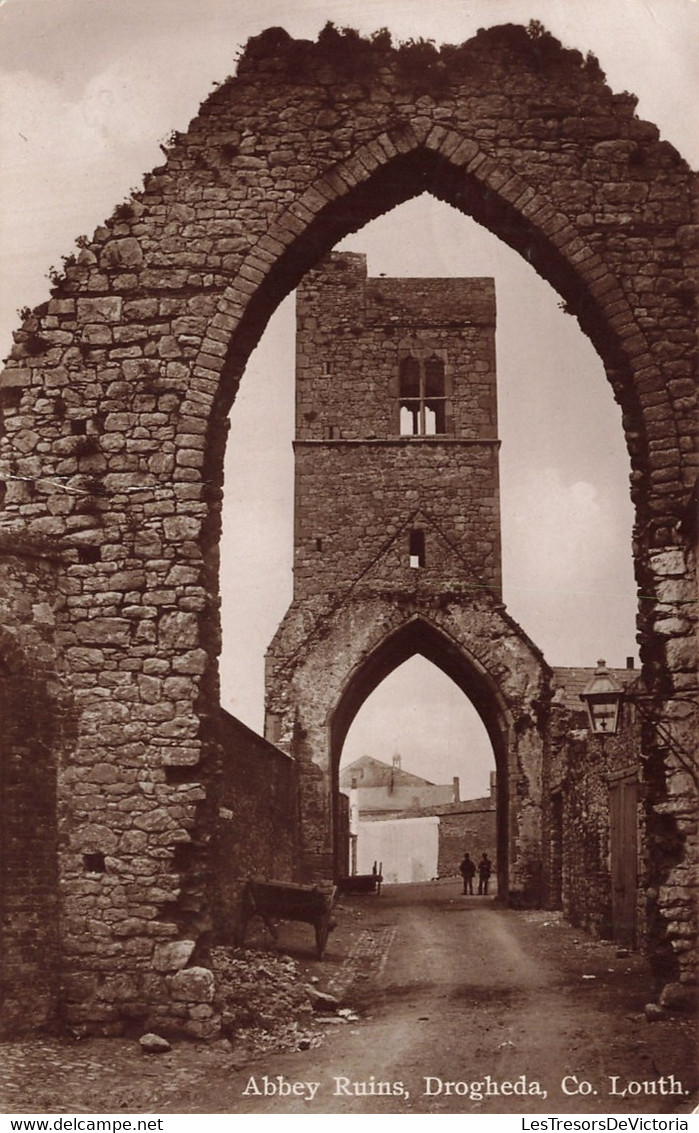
{"x":88,"y":89}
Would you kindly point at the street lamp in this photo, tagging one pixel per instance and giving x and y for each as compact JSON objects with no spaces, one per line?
{"x":602,"y":697}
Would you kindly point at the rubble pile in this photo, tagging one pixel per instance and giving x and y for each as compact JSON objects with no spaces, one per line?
{"x":263,"y":1002}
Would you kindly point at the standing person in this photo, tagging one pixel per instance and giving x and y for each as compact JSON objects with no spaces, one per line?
{"x":485,"y":867}
{"x":467,"y":869}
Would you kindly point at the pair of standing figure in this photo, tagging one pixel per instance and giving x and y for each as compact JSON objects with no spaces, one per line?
{"x":468,"y":869}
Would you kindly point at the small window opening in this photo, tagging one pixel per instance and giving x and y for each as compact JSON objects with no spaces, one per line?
{"x":319,"y":544}
{"x":78,"y":427}
{"x":89,"y":554}
{"x":416,"y":549}
{"x":94,"y":863}
{"x":10,"y":397}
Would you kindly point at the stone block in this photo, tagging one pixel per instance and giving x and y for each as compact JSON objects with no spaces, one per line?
{"x":123,"y":253}
{"x":15,"y":378}
{"x":178,"y":630}
{"x":173,"y":956}
{"x":133,"y":842}
{"x":193,"y":662}
{"x":193,"y":985}
{"x":157,"y":820}
{"x":681,"y":653}
{"x":205,"y":1029}
{"x":94,"y":839}
{"x":97,"y":334}
{"x":180,"y":527}
{"x":104,"y":631}
{"x":680,"y":997}
{"x":668,"y":563}
{"x":106,"y":309}
{"x":102,"y":773}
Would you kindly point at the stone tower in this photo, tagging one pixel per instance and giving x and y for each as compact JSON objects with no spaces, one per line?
{"x":396,"y":431}
{"x":397,"y":535}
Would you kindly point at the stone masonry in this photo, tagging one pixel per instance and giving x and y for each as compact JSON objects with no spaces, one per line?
{"x":114,"y":406}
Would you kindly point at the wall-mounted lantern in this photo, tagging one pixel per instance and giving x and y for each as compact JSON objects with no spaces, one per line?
{"x":602,"y":697}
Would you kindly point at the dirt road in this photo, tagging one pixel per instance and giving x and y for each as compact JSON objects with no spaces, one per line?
{"x":462,"y":1007}
{"x":482,"y":1010}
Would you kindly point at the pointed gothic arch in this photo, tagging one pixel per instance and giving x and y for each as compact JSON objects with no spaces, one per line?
{"x":398,"y":165}
{"x":317,"y":683}
{"x":150,"y":329}
{"x":418,"y":635}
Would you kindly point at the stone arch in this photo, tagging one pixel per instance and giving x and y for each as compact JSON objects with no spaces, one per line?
{"x":115,"y":397}
{"x":392,"y":168}
{"x":418,"y":635}
{"x":317,"y":681}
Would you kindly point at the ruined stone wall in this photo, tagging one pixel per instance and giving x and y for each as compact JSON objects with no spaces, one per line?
{"x":257,"y":819}
{"x":582,"y":772}
{"x":114,"y":403}
{"x":469,"y":827}
{"x":669,"y":747}
{"x":586,"y":883}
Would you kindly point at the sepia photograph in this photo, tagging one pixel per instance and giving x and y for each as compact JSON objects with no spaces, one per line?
{"x":348,"y":671}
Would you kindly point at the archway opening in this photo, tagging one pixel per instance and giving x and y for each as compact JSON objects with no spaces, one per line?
{"x":424,"y":648}
{"x":566,"y":511}
{"x":418,"y":769}
{"x":393,"y":185}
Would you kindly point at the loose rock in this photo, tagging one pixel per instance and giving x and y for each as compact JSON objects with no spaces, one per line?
{"x":154,"y":1044}
{"x":321,"y":1000}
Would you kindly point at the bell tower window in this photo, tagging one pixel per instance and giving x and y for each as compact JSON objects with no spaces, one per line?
{"x":422,"y":396}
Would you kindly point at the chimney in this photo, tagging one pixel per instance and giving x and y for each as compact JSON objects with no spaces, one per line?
{"x":455,"y":782}
{"x":630,"y":664}
{"x":396,"y":761}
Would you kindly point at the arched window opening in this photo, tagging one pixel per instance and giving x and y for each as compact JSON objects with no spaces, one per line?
{"x":410,"y":397}
{"x":422,"y":397}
